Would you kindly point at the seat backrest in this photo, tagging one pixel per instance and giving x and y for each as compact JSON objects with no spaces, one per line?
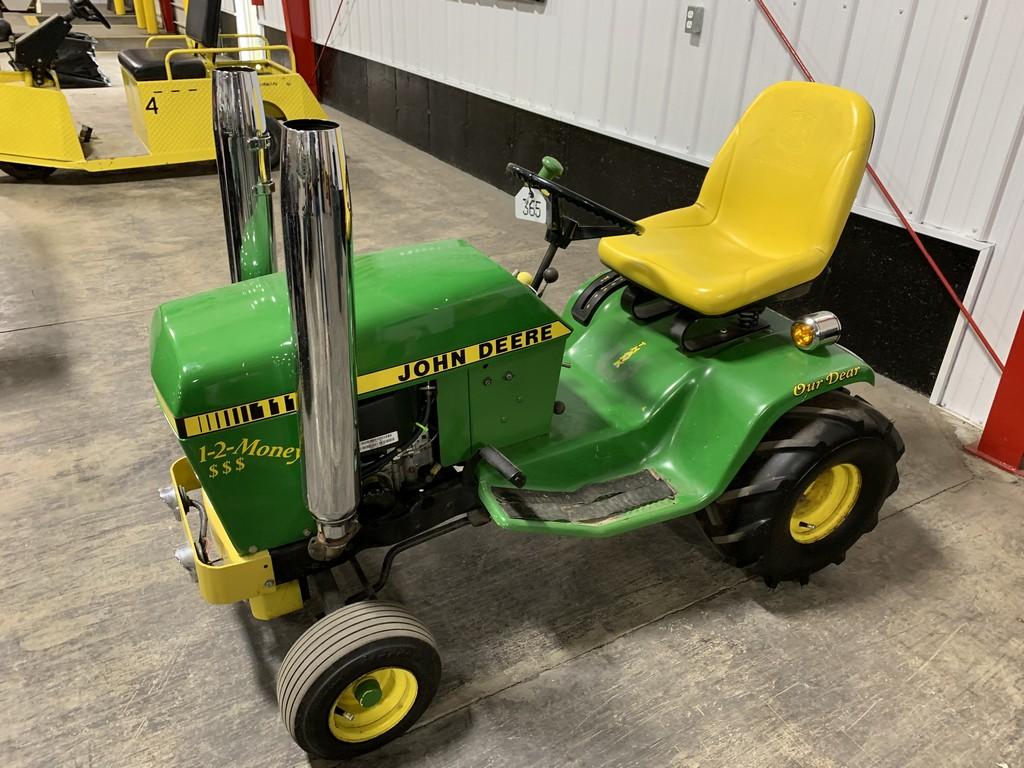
{"x":37,"y":48}
{"x":786,"y":178}
{"x":202,"y":23}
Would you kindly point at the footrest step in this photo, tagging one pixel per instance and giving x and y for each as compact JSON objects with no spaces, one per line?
{"x":590,"y":504}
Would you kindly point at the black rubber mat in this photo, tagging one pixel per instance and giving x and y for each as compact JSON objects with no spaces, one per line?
{"x":590,"y":504}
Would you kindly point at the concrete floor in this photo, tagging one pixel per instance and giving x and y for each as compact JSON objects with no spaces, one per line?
{"x":642,"y":651}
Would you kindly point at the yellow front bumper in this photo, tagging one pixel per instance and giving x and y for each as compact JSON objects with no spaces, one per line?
{"x":236,"y":576}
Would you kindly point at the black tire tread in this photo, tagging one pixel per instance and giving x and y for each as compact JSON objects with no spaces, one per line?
{"x":826,"y":423}
{"x":336,"y":635}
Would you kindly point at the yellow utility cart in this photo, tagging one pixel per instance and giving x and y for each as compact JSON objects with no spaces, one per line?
{"x":168,"y":91}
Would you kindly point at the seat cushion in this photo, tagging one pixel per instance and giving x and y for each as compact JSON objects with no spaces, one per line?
{"x":148,"y":64}
{"x":703,"y":268}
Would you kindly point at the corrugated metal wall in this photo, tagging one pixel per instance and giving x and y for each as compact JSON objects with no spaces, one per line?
{"x":272,"y":14}
{"x":943,"y":76}
{"x":980,"y":188}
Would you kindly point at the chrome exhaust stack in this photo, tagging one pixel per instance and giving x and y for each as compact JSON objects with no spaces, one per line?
{"x":243,"y":168}
{"x":318,"y":262}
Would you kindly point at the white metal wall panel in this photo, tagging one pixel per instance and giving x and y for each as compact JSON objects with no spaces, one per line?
{"x":943,"y":76}
{"x":980,"y":189}
{"x":626,"y":68}
{"x":271,"y":13}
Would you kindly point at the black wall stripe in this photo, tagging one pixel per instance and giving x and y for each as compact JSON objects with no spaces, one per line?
{"x":894,"y":311}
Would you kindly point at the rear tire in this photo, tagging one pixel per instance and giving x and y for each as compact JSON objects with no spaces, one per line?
{"x":811,"y":489}
{"x":23,"y":172}
{"x":325,"y":675}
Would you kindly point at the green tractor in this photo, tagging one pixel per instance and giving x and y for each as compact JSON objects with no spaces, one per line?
{"x":334,"y":409}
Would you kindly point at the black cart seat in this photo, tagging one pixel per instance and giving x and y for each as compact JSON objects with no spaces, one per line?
{"x":202,"y":26}
{"x":148,"y":64}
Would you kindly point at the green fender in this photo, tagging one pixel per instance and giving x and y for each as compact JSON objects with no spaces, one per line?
{"x":633,"y":401}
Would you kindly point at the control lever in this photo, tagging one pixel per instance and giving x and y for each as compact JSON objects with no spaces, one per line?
{"x":550,"y":275}
{"x":500,"y":463}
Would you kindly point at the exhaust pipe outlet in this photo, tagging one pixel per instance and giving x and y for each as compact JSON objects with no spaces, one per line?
{"x":318,"y":261}
{"x":243,"y":169}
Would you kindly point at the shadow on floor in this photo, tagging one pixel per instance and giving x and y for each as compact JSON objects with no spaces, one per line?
{"x":72,"y":178}
{"x":585,"y":612}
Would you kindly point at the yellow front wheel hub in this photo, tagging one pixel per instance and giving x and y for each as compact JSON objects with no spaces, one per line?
{"x":373,"y":704}
{"x":825,"y":503}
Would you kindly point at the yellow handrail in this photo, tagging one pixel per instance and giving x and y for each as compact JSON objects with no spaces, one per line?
{"x":151,"y":38}
{"x":268,"y":49}
{"x":119,"y":7}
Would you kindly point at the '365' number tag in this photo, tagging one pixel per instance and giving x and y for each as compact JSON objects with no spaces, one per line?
{"x":531,"y":205}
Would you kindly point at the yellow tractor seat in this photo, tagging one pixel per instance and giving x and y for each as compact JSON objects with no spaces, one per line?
{"x":771,"y":208}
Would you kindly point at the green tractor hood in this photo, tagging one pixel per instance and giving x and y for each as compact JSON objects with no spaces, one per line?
{"x":234,"y":344}
{"x":223,"y":362}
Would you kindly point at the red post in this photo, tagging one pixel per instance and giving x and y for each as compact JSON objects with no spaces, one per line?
{"x":300,"y":40}
{"x":1002,"y":441}
{"x":167,"y":11}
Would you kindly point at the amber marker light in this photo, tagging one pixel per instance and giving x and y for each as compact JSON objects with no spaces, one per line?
{"x":815,"y":330}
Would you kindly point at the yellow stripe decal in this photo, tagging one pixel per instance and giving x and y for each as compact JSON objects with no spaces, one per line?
{"x":226,"y":418}
{"x":235,"y":416}
{"x":456,"y":358}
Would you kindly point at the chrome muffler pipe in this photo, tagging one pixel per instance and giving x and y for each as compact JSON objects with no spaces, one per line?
{"x":315,"y":219}
{"x":243,"y":168}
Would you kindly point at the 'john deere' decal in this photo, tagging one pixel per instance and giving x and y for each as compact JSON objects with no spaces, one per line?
{"x":447,"y":361}
{"x":237,"y":415}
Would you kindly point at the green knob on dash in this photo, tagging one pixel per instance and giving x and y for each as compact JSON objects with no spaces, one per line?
{"x":551,"y":169}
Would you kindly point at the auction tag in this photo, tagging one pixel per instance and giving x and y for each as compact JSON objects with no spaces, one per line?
{"x":531,"y":205}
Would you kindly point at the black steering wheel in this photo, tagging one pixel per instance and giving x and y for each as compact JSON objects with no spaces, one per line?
{"x":536,"y":181}
{"x":85,"y":10}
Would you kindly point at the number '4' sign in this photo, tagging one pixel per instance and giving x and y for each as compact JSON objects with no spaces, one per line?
{"x":531,"y":205}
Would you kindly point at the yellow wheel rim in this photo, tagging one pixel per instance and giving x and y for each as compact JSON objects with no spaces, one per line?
{"x":373,"y":704}
{"x":825,"y":503}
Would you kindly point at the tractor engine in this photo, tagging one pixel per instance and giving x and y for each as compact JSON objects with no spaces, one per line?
{"x":397,"y":445}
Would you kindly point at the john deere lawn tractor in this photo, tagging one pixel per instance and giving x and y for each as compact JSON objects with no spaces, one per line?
{"x":332,"y":409}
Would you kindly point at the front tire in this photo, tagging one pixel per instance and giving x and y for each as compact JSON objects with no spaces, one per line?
{"x":23,"y":172}
{"x":811,"y":489}
{"x":357,"y":679}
